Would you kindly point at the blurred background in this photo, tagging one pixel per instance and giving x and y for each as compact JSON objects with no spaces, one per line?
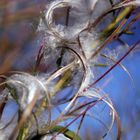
{"x":19,"y":45}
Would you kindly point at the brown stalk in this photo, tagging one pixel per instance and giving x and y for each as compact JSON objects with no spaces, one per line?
{"x":109,"y":39}
{"x":24,"y":117}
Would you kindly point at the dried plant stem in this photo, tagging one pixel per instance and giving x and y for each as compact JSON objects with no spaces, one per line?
{"x":109,"y":39}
